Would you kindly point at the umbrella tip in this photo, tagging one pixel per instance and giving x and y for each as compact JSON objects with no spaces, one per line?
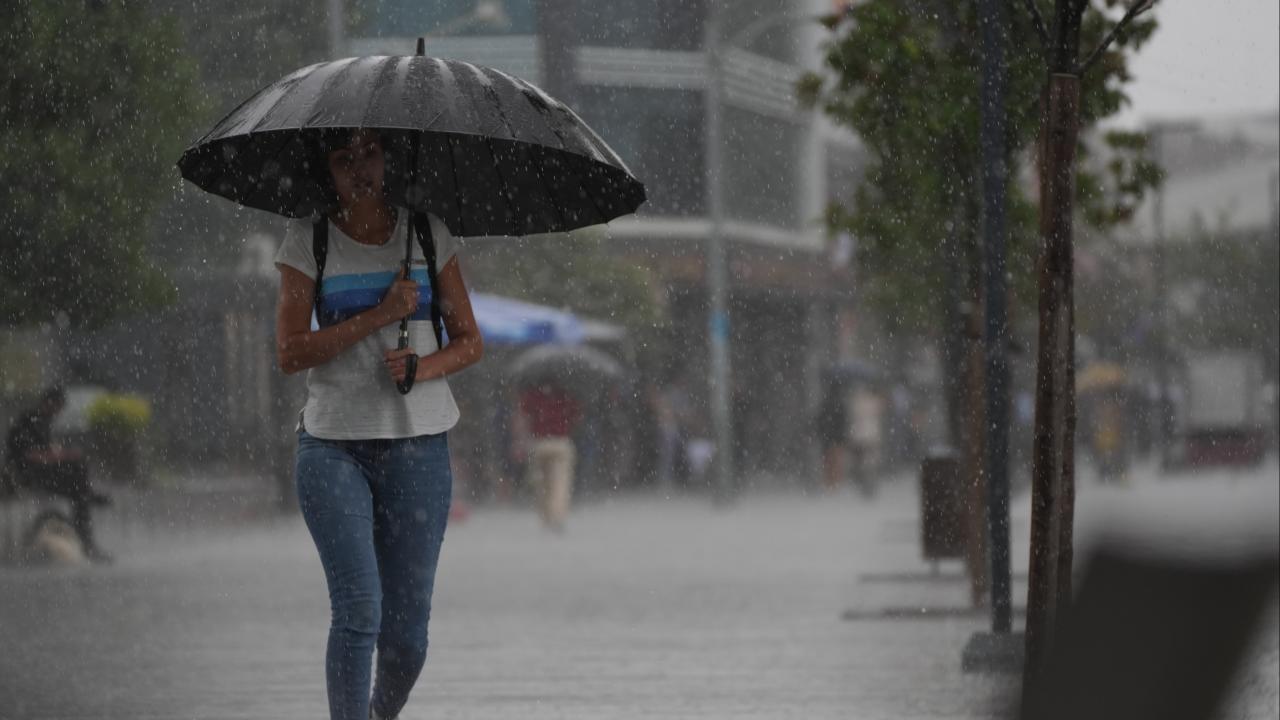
{"x":422,"y":46}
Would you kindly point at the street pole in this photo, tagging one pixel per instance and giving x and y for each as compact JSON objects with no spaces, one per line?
{"x":1159,"y":310}
{"x":1161,"y":333}
{"x":719,"y":375}
{"x":999,"y":649}
{"x":995,"y":180}
{"x":337,"y":35}
{"x":716,"y":265}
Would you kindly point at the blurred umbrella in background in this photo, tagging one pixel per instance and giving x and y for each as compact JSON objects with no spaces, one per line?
{"x":574,"y":366}
{"x":1101,"y":376}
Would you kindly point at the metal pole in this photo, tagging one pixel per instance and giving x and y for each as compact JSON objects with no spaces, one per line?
{"x":716,"y":270}
{"x":1161,"y":344}
{"x":995,"y":178}
{"x":337,"y":33}
{"x":1159,"y":311}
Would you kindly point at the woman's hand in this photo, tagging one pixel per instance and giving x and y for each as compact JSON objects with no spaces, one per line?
{"x":397,"y":363}
{"x":401,"y":299}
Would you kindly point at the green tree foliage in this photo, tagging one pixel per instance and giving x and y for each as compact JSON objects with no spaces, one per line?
{"x":97,"y":101}
{"x":238,"y":48}
{"x":904,"y":77}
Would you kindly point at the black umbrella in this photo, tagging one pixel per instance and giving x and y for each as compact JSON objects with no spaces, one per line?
{"x":488,"y":153}
{"x":496,"y":155}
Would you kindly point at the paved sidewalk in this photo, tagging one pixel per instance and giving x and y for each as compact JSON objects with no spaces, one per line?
{"x":645,"y":608}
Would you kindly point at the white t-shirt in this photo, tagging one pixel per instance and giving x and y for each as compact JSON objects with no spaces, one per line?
{"x":352,"y":397}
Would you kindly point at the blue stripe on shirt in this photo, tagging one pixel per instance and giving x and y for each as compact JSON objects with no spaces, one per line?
{"x":345,"y":296}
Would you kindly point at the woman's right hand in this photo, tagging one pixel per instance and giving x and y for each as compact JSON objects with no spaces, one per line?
{"x":401,"y":299}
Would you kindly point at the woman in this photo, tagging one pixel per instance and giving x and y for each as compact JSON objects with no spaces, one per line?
{"x":373,"y":475}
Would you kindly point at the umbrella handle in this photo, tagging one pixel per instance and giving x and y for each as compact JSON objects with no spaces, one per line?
{"x":410,"y":374}
{"x":411,"y":368}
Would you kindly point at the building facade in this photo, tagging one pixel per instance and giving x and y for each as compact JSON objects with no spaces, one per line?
{"x":638,"y":74}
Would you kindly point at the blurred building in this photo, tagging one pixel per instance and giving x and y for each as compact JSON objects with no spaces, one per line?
{"x":1205,"y":247}
{"x":1222,"y":178}
{"x":637,"y":73}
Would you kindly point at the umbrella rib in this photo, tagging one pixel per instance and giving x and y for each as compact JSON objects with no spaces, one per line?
{"x":289,"y":139}
{"x":492,"y":94}
{"x":547,"y":101}
{"x":252,"y":180}
{"x":385,"y":69}
{"x":587,"y":190}
{"x":551,"y":196}
{"x":457,"y":193}
{"x":497,"y":168}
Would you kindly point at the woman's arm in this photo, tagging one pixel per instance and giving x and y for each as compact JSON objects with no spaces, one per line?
{"x":298,"y":347}
{"x":465,"y":347}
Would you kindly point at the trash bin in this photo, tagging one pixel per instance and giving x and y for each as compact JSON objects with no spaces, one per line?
{"x":942,"y":530}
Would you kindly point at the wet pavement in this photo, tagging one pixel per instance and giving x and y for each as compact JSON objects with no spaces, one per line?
{"x":644,"y":608}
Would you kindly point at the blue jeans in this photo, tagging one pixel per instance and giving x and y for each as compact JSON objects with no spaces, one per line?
{"x":377,"y":510}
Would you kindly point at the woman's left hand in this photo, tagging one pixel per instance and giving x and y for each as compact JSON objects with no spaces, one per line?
{"x":397,"y":362}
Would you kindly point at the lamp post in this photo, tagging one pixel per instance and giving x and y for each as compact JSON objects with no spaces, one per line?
{"x":717,"y":273}
{"x":718,"y":326}
{"x":1164,"y":412}
{"x":337,"y":29}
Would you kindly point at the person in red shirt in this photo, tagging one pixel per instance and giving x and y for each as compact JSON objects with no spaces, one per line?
{"x":550,"y":413}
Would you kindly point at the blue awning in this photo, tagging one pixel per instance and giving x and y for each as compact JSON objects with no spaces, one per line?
{"x":504,"y":321}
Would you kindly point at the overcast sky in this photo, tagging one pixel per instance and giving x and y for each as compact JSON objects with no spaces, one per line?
{"x":1208,"y":57}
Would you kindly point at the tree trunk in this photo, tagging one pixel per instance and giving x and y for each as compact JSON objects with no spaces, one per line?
{"x":1053,"y":481}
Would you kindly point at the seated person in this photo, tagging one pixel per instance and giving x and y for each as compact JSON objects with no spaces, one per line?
{"x":41,"y":464}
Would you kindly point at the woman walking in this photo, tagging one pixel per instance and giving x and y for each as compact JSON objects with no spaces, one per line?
{"x":373,"y":473}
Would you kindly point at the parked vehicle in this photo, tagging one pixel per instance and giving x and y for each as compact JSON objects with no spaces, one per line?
{"x":1223,"y":418}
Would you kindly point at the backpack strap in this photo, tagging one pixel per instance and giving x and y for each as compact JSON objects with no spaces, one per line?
{"x":320,"y":251}
{"x":428,"y":244}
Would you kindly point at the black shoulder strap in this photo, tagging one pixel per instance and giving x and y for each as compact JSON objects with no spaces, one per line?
{"x":319,"y":250}
{"x":427,"y":242}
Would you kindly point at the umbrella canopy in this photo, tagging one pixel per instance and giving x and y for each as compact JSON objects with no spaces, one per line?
{"x":504,"y":321}
{"x":570,"y":363}
{"x":1101,"y":376}
{"x":497,"y":155}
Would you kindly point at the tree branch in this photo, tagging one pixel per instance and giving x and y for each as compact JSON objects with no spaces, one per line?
{"x":1136,"y":9}
{"x":1037,"y":20}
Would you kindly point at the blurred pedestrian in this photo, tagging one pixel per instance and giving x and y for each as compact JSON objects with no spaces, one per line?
{"x":867,"y":432}
{"x":373,"y":471}
{"x":40,"y":463}
{"x":551,"y":413}
{"x":832,"y":426}
{"x":666,"y":402}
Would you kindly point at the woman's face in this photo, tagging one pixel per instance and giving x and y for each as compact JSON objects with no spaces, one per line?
{"x":357,"y":169}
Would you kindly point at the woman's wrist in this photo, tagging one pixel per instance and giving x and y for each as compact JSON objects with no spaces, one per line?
{"x":427,"y":367}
